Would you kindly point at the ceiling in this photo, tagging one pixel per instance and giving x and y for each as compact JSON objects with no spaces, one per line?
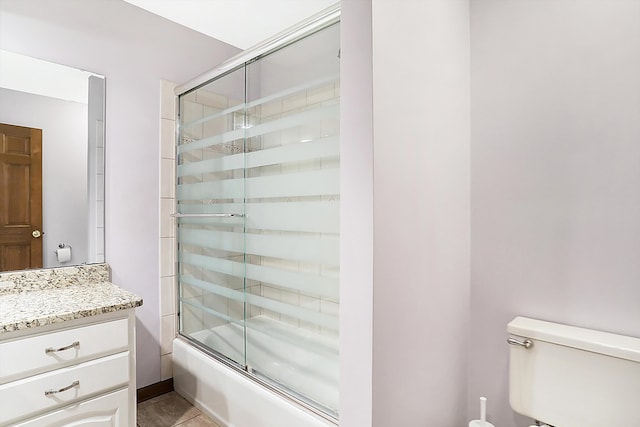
{"x":241,"y":23}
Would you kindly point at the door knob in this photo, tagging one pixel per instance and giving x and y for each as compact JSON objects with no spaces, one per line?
{"x":36,"y":233}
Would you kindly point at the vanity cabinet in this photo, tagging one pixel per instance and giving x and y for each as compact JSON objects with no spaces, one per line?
{"x":109,"y":410}
{"x":74,"y":373}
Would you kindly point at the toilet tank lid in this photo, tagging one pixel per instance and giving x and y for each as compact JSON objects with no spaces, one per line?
{"x":614,"y":345}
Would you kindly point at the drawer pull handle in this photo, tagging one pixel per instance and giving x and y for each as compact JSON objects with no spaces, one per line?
{"x":75,"y":344}
{"x":70,"y":386}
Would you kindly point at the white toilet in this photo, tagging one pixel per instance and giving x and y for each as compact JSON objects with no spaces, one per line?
{"x":565,"y":376}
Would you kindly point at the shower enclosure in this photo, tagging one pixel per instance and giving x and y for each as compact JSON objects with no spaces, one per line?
{"x":258,"y":213}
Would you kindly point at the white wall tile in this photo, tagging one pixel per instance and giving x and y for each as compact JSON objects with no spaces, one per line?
{"x":100,"y":160}
{"x":270,"y":109}
{"x":100,"y":213}
{"x":191,"y":292}
{"x":167,"y":139}
{"x":167,"y":333}
{"x":167,"y":100}
{"x":99,"y":188}
{"x":168,"y":293}
{"x":167,"y":256}
{"x":192,"y":318}
{"x":167,"y":296}
{"x":166,"y":367}
{"x":167,"y":222}
{"x":211,"y":99}
{"x":167,"y":178}
{"x":294,"y":102}
{"x":100,"y":237}
{"x":320,"y":94}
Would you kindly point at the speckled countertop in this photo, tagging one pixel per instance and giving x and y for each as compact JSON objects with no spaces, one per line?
{"x":43,"y":297}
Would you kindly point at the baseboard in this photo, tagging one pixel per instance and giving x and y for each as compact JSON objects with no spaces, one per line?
{"x":154,"y":390}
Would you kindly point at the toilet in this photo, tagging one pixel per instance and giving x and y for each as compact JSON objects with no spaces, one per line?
{"x":565,"y":376}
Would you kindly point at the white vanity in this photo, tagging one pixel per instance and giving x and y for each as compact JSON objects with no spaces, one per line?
{"x":67,"y":349}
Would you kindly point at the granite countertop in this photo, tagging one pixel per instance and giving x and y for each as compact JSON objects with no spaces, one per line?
{"x":42,"y":297}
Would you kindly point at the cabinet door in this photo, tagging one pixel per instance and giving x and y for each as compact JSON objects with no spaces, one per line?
{"x":110,"y":410}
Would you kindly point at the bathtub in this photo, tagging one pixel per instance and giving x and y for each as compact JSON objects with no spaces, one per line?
{"x":233,"y":400}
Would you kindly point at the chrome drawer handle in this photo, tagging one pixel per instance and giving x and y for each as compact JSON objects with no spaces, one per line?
{"x":70,"y":386}
{"x":75,"y":344}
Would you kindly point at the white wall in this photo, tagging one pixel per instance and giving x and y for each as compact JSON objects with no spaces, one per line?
{"x":356,"y":215}
{"x":64,"y":167}
{"x":404,"y":295}
{"x":134,"y":50}
{"x":421,"y":211}
{"x":555,"y":175}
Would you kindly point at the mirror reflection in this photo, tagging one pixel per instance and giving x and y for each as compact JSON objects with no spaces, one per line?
{"x":51,"y":164}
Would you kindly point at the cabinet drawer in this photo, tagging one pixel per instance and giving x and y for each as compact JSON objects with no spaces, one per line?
{"x":111,"y":410}
{"x":23,"y":398}
{"x":29,"y":355}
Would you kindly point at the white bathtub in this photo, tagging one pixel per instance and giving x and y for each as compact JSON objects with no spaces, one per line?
{"x":230,"y":398}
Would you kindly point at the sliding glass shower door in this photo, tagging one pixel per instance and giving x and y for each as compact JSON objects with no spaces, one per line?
{"x":258,"y":207}
{"x":210,"y":205}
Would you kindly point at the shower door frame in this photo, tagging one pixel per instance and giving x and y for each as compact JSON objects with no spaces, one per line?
{"x":318,"y":22}
{"x":313,"y":24}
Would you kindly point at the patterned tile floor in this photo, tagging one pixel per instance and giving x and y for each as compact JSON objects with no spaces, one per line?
{"x":171,"y":410}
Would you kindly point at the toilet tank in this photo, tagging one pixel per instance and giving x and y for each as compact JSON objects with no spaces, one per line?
{"x":573,"y":377}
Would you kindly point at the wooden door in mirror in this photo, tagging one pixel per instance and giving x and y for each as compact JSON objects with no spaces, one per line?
{"x":20,"y":197}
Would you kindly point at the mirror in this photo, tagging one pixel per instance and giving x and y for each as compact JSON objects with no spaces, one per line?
{"x":66,"y":107}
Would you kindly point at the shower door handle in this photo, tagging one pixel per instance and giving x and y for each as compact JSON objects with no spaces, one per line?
{"x":208,"y":215}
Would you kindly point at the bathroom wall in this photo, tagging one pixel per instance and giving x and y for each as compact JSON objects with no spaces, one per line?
{"x":555,"y":175}
{"x":134,"y":50}
{"x":420,"y":211}
{"x":356,"y":215}
{"x":64,"y":167}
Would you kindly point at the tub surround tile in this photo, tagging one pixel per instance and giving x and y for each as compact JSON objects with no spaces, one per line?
{"x":167,"y":222}
{"x":168,"y":333}
{"x":167,"y":138}
{"x":167,"y":256}
{"x":166,"y":367}
{"x":168,"y":297}
{"x":167,"y":178}
{"x":167,"y":100}
{"x":43,"y":297}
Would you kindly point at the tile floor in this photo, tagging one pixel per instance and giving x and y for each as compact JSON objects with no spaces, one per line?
{"x":171,"y":410}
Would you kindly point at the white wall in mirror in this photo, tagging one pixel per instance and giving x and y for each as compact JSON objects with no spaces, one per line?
{"x":55,"y":98}
{"x":31,"y":75}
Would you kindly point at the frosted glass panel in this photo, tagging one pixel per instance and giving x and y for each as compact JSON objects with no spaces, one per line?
{"x":298,"y":198}
{"x":211,"y":277}
{"x":261,"y":288}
